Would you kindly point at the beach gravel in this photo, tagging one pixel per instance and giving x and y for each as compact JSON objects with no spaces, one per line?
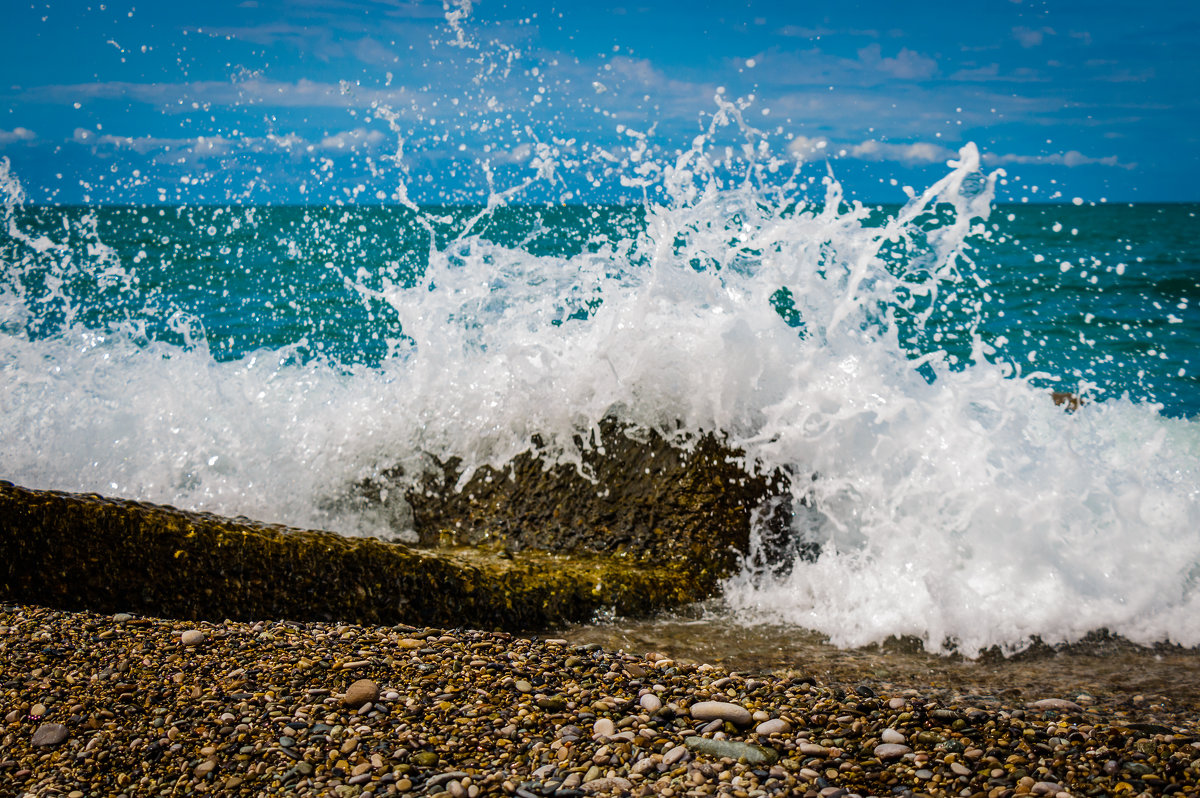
{"x":265,"y":709}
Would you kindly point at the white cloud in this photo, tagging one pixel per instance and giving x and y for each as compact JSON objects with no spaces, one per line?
{"x":351,"y":140}
{"x":919,"y":152}
{"x":1070,"y":159}
{"x":1028,"y":37}
{"x":907,"y":65}
{"x":16,"y":134}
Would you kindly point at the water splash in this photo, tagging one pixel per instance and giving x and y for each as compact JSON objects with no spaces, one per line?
{"x":847,"y":345}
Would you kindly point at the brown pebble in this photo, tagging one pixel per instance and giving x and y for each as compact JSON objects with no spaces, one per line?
{"x":361,"y":692}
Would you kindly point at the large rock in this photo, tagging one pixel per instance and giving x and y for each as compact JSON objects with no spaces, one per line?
{"x":647,"y":500}
{"x":527,"y":547}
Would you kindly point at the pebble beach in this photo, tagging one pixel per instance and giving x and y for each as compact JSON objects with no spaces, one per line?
{"x":122,"y":705}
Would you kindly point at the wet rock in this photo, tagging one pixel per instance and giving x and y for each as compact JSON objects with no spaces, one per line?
{"x":656,"y":501}
{"x":892,"y":736}
{"x":208,"y":567}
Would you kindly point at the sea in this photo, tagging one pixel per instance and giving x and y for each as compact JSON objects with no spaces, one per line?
{"x":898,"y":361}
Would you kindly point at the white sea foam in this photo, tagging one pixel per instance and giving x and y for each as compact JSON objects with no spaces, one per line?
{"x":952,"y":500}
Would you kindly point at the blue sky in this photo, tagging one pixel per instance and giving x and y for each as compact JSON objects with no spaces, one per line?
{"x":365,"y":101}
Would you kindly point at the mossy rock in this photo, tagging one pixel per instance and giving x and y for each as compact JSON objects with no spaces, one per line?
{"x":646,"y":498}
{"x":89,"y":552}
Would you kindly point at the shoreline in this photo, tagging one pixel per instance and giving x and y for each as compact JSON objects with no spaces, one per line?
{"x":124,"y":705}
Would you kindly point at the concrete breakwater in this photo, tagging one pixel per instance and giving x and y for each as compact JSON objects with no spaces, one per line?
{"x":510,"y":551}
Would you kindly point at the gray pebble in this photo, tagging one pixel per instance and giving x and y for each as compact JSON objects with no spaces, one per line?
{"x":892,"y":736}
{"x":49,"y":734}
{"x":888,"y":751}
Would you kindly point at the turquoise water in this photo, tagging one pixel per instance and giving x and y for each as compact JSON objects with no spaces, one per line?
{"x":1105,"y":300}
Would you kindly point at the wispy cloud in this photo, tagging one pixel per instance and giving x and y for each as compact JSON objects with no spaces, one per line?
{"x":1031,"y":37}
{"x":905,"y":65}
{"x":1070,"y":158}
{"x":17,"y":134}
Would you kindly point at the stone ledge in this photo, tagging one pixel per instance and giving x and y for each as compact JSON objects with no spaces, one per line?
{"x":76,"y":551}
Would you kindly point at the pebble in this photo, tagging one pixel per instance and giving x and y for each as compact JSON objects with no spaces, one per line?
{"x":752,"y":754}
{"x":260,"y":709}
{"x":603,"y":728}
{"x":1058,"y":704}
{"x":775,"y":726}
{"x":608,"y":784}
{"x":49,"y":734}
{"x":886,"y":751}
{"x":192,"y":637}
{"x":720,"y":710}
{"x":650,"y":702}
{"x":360,"y":692}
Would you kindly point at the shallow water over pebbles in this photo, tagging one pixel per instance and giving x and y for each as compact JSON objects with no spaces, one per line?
{"x":1146,"y":683}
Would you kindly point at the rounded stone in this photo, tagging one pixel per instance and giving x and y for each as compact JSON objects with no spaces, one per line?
{"x":650,"y":702}
{"x":893,"y":736}
{"x":192,"y":637}
{"x":49,"y":734}
{"x":774,"y":726}
{"x":603,"y":727}
{"x":888,"y":751}
{"x":721,"y":710}
{"x":361,"y":692}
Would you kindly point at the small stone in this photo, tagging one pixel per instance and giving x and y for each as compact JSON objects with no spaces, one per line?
{"x":49,"y":734}
{"x":960,"y":769}
{"x":650,"y":702}
{"x":924,"y":774}
{"x":887,"y":751}
{"x":892,"y":736}
{"x":37,"y":710}
{"x":1045,"y":788}
{"x":122,"y":617}
{"x":192,"y":637}
{"x":602,"y":728}
{"x":523,"y":686}
{"x":896,"y":703}
{"x":774,"y":726}
{"x":721,"y":710}
{"x":204,"y":768}
{"x":812,"y":749}
{"x":752,"y":754}
{"x":425,"y":759}
{"x":677,"y":754}
{"x":361,"y":692}
{"x":608,"y":784}
{"x":1057,"y":704}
